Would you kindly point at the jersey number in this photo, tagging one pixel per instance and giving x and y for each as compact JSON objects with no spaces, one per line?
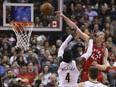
{"x":67,"y":77}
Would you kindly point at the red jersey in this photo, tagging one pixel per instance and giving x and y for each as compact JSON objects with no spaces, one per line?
{"x":24,"y":76}
{"x":113,"y":69}
{"x":97,"y":55}
{"x":110,"y":68}
{"x":32,"y":75}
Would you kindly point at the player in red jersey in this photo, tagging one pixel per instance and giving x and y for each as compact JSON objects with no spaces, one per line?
{"x":100,"y":53}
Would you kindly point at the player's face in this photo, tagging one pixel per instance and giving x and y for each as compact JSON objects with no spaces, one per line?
{"x":100,"y":37}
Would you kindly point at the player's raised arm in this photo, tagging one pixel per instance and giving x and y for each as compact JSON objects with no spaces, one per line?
{"x":86,"y":55}
{"x":73,"y":26}
{"x":62,"y":47}
{"x":89,"y":50}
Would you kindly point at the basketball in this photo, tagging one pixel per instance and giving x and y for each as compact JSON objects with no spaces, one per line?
{"x":46,"y":8}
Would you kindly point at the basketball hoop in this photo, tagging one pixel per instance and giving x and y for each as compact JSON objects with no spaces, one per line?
{"x":23,"y":32}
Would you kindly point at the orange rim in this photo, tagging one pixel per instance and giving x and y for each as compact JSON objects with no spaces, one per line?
{"x":20,"y":23}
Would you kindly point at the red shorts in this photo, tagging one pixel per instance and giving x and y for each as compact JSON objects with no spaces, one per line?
{"x":84,"y":76}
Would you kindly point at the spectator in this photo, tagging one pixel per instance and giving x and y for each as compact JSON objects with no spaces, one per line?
{"x":7,"y":67}
{"x":5,"y":48}
{"x":42,"y":57}
{"x":103,"y":11}
{"x":25,"y":77}
{"x":78,"y":10}
{"x":45,"y":75}
{"x":47,"y":53}
{"x":86,"y":20}
{"x":33,"y":73}
{"x":91,"y":13}
{"x":15,"y":68}
{"x":73,"y":19}
{"x":13,"y":55}
{"x":29,"y":56}
{"x":5,"y":60}
{"x":11,"y":40}
{"x":107,"y":29}
{"x":9,"y":79}
{"x":53,"y":51}
{"x":111,"y":72}
{"x":37,"y":22}
{"x":46,"y":45}
{"x":105,"y":79}
{"x":58,"y":43}
{"x":53,"y":65}
{"x":20,"y":60}
{"x":53,"y":81}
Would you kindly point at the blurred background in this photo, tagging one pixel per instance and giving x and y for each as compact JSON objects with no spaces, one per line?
{"x":46,"y":39}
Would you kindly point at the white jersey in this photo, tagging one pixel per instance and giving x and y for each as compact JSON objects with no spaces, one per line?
{"x":68,"y":74}
{"x":93,"y":84}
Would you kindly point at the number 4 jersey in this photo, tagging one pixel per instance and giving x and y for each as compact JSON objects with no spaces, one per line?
{"x":68,"y":74}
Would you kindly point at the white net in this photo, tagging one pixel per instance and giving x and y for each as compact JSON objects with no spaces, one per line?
{"x":23,"y":32}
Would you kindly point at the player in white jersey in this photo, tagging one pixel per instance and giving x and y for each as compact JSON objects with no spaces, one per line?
{"x":92,"y":82}
{"x":68,"y":70}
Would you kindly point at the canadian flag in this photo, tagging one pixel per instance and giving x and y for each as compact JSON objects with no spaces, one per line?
{"x":54,"y":24}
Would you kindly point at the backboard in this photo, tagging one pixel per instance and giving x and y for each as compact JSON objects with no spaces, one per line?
{"x":25,"y":12}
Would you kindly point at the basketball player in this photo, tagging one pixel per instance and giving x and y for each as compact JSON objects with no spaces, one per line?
{"x":100,"y":53}
{"x":92,"y":82}
{"x":69,"y":69}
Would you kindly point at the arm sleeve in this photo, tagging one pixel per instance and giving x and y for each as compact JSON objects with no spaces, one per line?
{"x":89,"y":50}
{"x":64,"y":45}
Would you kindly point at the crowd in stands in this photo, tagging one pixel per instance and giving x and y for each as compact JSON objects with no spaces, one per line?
{"x":37,"y":67}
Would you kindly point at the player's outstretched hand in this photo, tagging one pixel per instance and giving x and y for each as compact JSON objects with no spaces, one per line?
{"x":59,"y":13}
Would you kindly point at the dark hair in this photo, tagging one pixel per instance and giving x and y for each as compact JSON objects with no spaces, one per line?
{"x":93,"y":72}
{"x":110,"y":59}
{"x":44,"y":68}
{"x":18,"y":60}
{"x":67,"y":56}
